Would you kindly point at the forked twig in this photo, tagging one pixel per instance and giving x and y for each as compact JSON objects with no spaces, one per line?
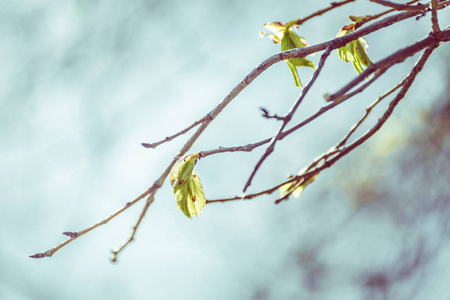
{"x":288,"y":117}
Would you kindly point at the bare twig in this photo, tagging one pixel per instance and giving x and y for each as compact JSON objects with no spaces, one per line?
{"x":333,"y":5}
{"x":396,"y":6}
{"x":288,"y":117}
{"x":115,"y":252}
{"x":74,"y":235}
{"x":169,"y":138}
{"x":434,"y":19}
{"x":368,"y":111}
{"x":267,"y":115}
{"x":360,"y":89}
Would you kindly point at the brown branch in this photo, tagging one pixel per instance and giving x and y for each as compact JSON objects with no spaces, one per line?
{"x":389,"y":61}
{"x":377,"y":16}
{"x":333,"y":5}
{"x":298,"y":53}
{"x":169,"y":138}
{"x":74,"y":235}
{"x":434,"y":18}
{"x":377,"y":74}
{"x":368,"y":111}
{"x":406,"y":84}
{"x":396,"y":6}
{"x":288,"y":117}
{"x":115,"y":252}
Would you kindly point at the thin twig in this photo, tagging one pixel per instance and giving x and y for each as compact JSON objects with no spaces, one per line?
{"x":377,"y":75}
{"x":333,"y":5}
{"x":115,"y":252}
{"x":74,"y":235}
{"x":370,"y":18}
{"x":396,"y":6}
{"x":434,"y":18}
{"x":169,"y":138}
{"x":267,"y":115}
{"x":368,"y":111}
{"x":288,"y":117}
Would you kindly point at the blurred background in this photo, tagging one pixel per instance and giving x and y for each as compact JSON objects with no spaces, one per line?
{"x":83,"y":83}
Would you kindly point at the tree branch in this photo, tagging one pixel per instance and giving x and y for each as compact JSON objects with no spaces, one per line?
{"x":288,"y":117}
{"x":333,"y":5}
{"x":203,"y":123}
{"x":434,"y":18}
{"x":169,"y":138}
{"x":339,"y":153}
{"x":389,"y":61}
{"x":74,"y":235}
{"x":297,"y":53}
{"x":396,"y":6}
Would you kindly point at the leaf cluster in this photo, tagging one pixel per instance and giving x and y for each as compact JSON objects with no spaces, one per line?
{"x":354,"y":51}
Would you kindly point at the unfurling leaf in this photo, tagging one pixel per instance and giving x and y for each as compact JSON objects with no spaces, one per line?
{"x":187,"y":186}
{"x":296,"y":188}
{"x":354,"y":51}
{"x":284,"y":35}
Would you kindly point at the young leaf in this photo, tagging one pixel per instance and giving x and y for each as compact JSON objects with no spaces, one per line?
{"x":357,"y":19}
{"x":187,"y":186}
{"x":289,"y":40}
{"x":354,"y":51}
{"x":293,"y":69}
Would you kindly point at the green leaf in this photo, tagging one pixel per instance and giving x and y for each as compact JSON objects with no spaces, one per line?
{"x":299,"y":41}
{"x":361,"y":52}
{"x":187,"y":186}
{"x":354,"y":51}
{"x":290,"y":41}
{"x":293,"y":69}
{"x":357,"y":19}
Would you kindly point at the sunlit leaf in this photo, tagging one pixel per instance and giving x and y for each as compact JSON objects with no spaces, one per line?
{"x":358,"y":19}
{"x":293,"y":69}
{"x":284,"y":35}
{"x":187,"y":186}
{"x":354,"y":51}
{"x":361,"y":52}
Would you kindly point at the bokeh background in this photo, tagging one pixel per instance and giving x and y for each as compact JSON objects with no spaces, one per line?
{"x":83,"y":83}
